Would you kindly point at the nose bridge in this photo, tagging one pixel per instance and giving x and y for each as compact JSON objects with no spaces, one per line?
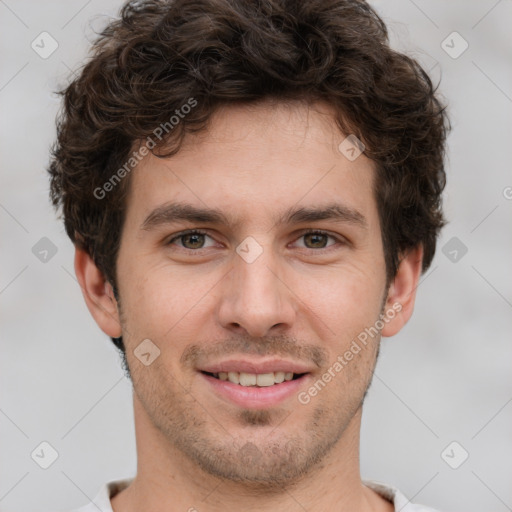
{"x":257,"y":281}
{"x":255,"y":298}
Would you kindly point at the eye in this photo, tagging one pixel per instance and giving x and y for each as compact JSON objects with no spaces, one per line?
{"x":192,"y":240}
{"x":317,"y":239}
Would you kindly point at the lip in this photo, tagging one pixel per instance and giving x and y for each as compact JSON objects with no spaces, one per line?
{"x":254,"y":397}
{"x":269,"y":366}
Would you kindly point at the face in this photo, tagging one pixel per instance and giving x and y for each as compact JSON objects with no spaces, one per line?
{"x":253,"y":254}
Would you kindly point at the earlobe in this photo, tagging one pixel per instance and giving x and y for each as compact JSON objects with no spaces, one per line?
{"x":98,"y":294}
{"x":402,"y":292}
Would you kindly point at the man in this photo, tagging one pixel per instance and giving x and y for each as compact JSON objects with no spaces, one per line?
{"x":253,"y":190}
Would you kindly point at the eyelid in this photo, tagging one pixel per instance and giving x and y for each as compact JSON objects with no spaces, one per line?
{"x":339,"y":239}
{"x":195,"y":231}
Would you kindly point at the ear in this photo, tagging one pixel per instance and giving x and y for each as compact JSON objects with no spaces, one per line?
{"x":402,"y":291}
{"x":98,"y":294}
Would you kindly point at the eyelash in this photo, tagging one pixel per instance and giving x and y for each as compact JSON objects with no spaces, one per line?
{"x":304,"y":233}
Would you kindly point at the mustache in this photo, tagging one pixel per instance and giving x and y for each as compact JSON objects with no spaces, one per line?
{"x":284,"y":346}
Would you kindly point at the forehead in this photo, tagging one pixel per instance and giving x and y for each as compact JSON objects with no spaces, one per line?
{"x":255,"y":161}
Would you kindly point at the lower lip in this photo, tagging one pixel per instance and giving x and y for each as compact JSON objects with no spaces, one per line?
{"x":255,"y":397}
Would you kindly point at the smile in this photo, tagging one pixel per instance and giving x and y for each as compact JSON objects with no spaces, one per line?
{"x":255,"y":379}
{"x":255,"y":390}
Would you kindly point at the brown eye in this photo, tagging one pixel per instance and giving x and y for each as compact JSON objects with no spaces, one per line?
{"x":315,"y":240}
{"x":192,"y":241}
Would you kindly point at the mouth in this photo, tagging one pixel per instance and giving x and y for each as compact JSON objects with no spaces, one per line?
{"x":256,"y":379}
{"x":256,"y":385}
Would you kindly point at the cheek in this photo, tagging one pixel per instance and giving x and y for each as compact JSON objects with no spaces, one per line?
{"x":345,"y":298}
{"x":146,"y":302}
{"x":159,"y":302}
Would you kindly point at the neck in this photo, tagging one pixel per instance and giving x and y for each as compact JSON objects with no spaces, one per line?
{"x":168,"y":481}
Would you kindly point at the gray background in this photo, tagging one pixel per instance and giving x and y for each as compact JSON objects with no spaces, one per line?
{"x":446,"y":377}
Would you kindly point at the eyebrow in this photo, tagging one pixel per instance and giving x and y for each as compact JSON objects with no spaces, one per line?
{"x":334,"y":212}
{"x":175,"y":212}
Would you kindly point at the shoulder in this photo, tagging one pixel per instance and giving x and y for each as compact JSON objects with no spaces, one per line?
{"x":393,"y":495}
{"x":101,"y":503}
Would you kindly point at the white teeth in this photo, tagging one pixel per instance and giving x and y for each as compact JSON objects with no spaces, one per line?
{"x":247,"y":379}
{"x":265,"y":379}
{"x":278,"y":377}
{"x":253,"y":379}
{"x":234,"y":377}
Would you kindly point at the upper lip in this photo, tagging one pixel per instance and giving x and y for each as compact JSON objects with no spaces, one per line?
{"x":245,"y":366}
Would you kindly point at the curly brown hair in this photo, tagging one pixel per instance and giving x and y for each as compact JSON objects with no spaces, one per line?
{"x":160,"y":54}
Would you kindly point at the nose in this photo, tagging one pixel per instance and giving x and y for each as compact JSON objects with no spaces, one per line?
{"x":256,"y":298}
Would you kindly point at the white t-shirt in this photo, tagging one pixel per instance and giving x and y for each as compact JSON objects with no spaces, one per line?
{"x":109,"y":490}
